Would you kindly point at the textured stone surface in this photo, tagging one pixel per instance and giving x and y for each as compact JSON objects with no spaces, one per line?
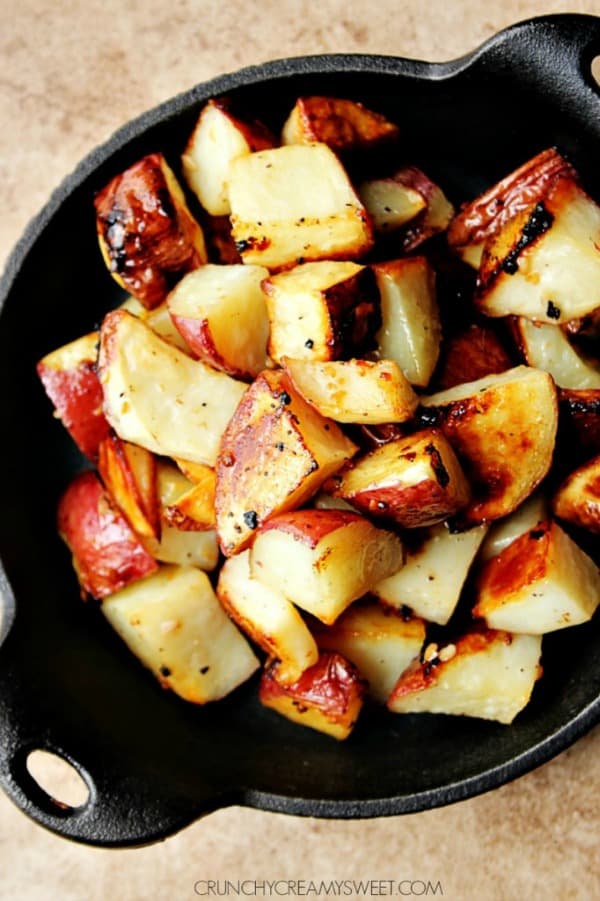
{"x":73,"y":71}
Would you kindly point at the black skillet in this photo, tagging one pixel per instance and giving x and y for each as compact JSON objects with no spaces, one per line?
{"x":152,"y":763}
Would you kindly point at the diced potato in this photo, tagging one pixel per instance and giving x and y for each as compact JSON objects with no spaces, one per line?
{"x":547,"y":347}
{"x":323,"y":501}
{"x":530,"y":514}
{"x":389,"y":203}
{"x":437,"y":214}
{"x":488,"y":213}
{"x":320,"y":311}
{"x":341,"y":124}
{"x":196,"y":473}
{"x":159,"y":398}
{"x":327,"y":697}
{"x":410,"y":330}
{"x":485,"y":674}
{"x":578,"y":498}
{"x":295,"y":203}
{"x":503,"y":428}
{"x":159,"y":320}
{"x":129,"y":476}
{"x":354,"y":391}
{"x":275,"y":454}
{"x":434,"y":572}
{"x":221,"y":313}
{"x":322,"y":560}
{"x":414,"y":481}
{"x":219,"y":240}
{"x":267,"y":617}
{"x":219,"y":138}
{"x":540,"y":583}
{"x":544,"y":264}
{"x":173,"y":622}
{"x":71,"y":382}
{"x":579,"y":423}
{"x":147,"y":235}
{"x":380,"y":642}
{"x":194,"y":510}
{"x":469,"y":355}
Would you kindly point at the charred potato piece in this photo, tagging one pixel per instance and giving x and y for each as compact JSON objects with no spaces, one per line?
{"x":129,"y":476}
{"x":341,"y":124}
{"x":432,"y":220}
{"x":194,"y":510}
{"x":471,"y":354}
{"x":578,"y":498}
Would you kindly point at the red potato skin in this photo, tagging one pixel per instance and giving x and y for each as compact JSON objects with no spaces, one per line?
{"x":107,"y":555}
{"x":311,"y":526}
{"x":412,"y":507}
{"x":343,"y":124}
{"x":197,"y":335}
{"x":330,"y":685}
{"x":470,"y":355}
{"x":77,"y":396}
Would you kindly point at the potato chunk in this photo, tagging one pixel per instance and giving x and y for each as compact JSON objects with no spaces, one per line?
{"x":414,"y":481}
{"x":341,"y":124}
{"x":540,"y":583}
{"x":327,"y":697}
{"x":322,"y":560}
{"x":471,"y":354}
{"x":379,"y":641}
{"x":276,"y":452}
{"x":194,"y":510}
{"x":484,"y":674}
{"x":354,"y":391}
{"x":547,"y":347}
{"x":432,"y":220}
{"x":321,"y":311}
{"x":295,"y":203}
{"x":147,"y":235}
{"x":503,"y":428}
{"x":389,"y":203}
{"x":578,"y":498}
{"x":267,"y":617}
{"x":159,"y":398}
{"x":173,"y":622}
{"x":129,"y":476}
{"x":504,"y":531}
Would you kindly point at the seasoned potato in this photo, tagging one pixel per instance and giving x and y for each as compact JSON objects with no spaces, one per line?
{"x":471,"y":354}
{"x":437,"y":214}
{"x":578,"y":498}
{"x":504,"y":531}
{"x":547,"y":347}
{"x":341,"y":124}
{"x":390,"y":203}
{"x":194,"y":510}
{"x":129,"y":476}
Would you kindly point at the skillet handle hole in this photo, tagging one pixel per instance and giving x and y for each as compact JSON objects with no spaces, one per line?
{"x":595,"y":70}
{"x":58,"y":779}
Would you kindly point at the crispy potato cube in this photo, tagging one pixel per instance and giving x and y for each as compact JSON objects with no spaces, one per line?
{"x":379,"y":641}
{"x":327,"y":697}
{"x":547,"y":347}
{"x":341,"y":124}
{"x":293,"y":204}
{"x":219,"y":138}
{"x":434,"y":572}
{"x":174,"y":624}
{"x":321,"y":311}
{"x":267,"y":617}
{"x":390,"y":203}
{"x":322,"y":560}
{"x":414,"y":481}
{"x":503,"y":428}
{"x":71,"y":382}
{"x":410,"y":330}
{"x":355,"y":391}
{"x":221,"y":313}
{"x":488,"y":213}
{"x":540,"y":583}
{"x":469,"y":355}
{"x":504,"y":531}
{"x":129,"y":476}
{"x":489,"y":675}
{"x":544,"y":264}
{"x":437,"y":214}
{"x":147,"y":235}
{"x":107,"y":554}
{"x":194,"y":510}
{"x":159,"y":398}
{"x":578,"y":498}
{"x":275,"y":454}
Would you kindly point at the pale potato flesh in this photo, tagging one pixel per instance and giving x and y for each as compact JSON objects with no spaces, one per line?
{"x":547,"y":347}
{"x":504,"y":531}
{"x":389,"y":203}
{"x":173,"y":622}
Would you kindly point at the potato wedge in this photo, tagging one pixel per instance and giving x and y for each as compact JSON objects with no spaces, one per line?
{"x":437,"y":214}
{"x":389,"y":203}
{"x":577,"y":500}
{"x":547,"y":347}
{"x":194,"y":510}
{"x":540,"y":583}
{"x":267,"y":617}
{"x":159,"y":398}
{"x":327,"y":697}
{"x":322,"y":560}
{"x":503,"y":428}
{"x":147,"y":235}
{"x":354,"y":391}
{"x":174,"y":624}
{"x":129,"y":476}
{"x":490,"y":675}
{"x":414,"y":481}
{"x":340,"y":123}
{"x":503,"y":532}
{"x":275,"y":454}
{"x":293,"y":204}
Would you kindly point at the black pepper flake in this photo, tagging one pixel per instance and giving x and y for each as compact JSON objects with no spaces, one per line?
{"x":285,"y":398}
{"x":430,"y":666}
{"x":251,"y":519}
{"x":552,"y":312}
{"x":536,"y":534}
{"x":164,"y":671}
{"x":280,"y":446}
{"x":204,"y":670}
{"x":309,"y":343}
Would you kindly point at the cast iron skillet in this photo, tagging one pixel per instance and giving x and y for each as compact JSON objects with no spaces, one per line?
{"x":154,"y":764}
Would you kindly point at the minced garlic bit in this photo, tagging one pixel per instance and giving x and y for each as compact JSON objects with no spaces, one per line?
{"x":447,"y":653}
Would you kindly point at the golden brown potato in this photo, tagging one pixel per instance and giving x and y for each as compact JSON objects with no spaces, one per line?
{"x":341,"y":124}
{"x":129,"y":476}
{"x":547,"y":347}
{"x":578,"y":498}
{"x":471,"y":354}
{"x":194,"y":510}
{"x":390,"y":203}
{"x":275,"y":453}
{"x":432,"y":220}
{"x":147,"y":235}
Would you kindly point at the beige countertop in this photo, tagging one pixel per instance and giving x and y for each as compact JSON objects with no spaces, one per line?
{"x":73,"y":71}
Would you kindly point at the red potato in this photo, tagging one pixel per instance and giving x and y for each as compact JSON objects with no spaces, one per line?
{"x":389,"y":203}
{"x":220,"y":311}
{"x":469,"y":355}
{"x":579,"y":423}
{"x":547,"y":347}
{"x":275,"y":454}
{"x":71,"y":382}
{"x":327,"y":697}
{"x":504,"y":531}
{"x":107,"y":555}
{"x":194,"y":510}
{"x":414,"y":481}
{"x":341,"y":124}
{"x":129,"y":476}
{"x":322,"y":560}
{"x":437,"y":214}
{"x":577,"y":500}
{"x":147,"y":235}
